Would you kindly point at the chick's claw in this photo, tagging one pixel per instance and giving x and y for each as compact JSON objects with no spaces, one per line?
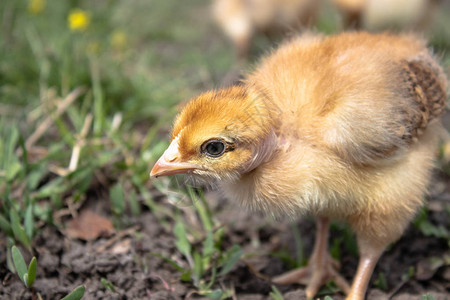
{"x":321,"y":267}
{"x":317,"y":273}
{"x":342,"y":127}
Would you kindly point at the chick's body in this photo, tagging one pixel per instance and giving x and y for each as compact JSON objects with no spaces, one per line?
{"x":388,"y":14}
{"x":242,"y":19}
{"x":343,"y":127}
{"x":345,"y":120}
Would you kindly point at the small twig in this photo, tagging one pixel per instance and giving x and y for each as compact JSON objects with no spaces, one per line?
{"x":58,"y":170}
{"x":165,"y":283}
{"x":61,"y":108}
{"x":117,"y":237}
{"x":70,"y":210}
{"x":79,"y":143}
{"x":252,"y":269}
{"x":101,"y":178}
{"x":6,"y":279}
{"x":73,"y":207}
{"x":117,"y":120}
{"x":188,"y":295}
{"x":233,"y":290}
{"x":48,"y":103}
{"x":397,"y":288}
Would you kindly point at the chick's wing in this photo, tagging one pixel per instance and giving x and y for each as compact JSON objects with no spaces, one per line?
{"x":386,"y":112}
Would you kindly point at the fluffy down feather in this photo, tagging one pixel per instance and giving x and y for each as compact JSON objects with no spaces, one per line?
{"x":339,"y":127}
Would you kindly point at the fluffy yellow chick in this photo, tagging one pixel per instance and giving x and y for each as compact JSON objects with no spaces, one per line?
{"x":242,"y":19}
{"x":387,"y":14}
{"x":342,"y":127}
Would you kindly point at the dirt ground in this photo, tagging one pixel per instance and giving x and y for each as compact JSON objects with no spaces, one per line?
{"x":125,"y":258}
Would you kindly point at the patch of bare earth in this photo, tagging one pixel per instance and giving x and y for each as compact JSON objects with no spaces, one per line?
{"x":86,"y":255}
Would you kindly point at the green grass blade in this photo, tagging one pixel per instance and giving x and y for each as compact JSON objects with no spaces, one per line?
{"x":9,"y":261}
{"x":76,"y":294}
{"x":213,"y":277}
{"x":169,"y":261}
{"x":107,"y":284}
{"x":19,"y":263}
{"x":208,"y":245}
{"x":29,"y":222}
{"x":276,"y":294}
{"x":25,"y":153}
{"x":182,"y":242}
{"x":208,"y":249}
{"x":8,"y":159}
{"x":231,"y":258}
{"x":202,"y":208}
{"x":13,"y":169}
{"x":5,"y":227}
{"x":134,"y":203}
{"x":381,"y":282}
{"x":99,"y":113}
{"x":116,"y":195}
{"x":19,"y":232}
{"x":300,"y":251}
{"x":32,"y":272}
{"x":215,"y":295}
{"x":198,"y":268}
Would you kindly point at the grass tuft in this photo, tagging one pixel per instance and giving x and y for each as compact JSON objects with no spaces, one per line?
{"x":88,"y":91}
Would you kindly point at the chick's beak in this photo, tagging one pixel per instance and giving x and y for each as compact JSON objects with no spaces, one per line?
{"x":169,"y":163}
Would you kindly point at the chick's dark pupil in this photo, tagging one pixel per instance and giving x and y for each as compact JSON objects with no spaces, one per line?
{"x":215,"y":148}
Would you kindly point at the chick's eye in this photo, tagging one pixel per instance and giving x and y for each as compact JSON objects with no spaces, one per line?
{"x":214,"y":148}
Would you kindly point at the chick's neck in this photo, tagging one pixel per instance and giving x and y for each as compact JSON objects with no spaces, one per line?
{"x":264,"y":148}
{"x":262,"y":152}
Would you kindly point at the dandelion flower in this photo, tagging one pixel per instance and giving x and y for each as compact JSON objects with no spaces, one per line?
{"x":36,"y":6}
{"x":118,"y":39}
{"x":79,"y":20}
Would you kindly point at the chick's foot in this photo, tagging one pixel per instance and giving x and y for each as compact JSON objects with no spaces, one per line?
{"x":320,"y":269}
{"x":317,"y":273}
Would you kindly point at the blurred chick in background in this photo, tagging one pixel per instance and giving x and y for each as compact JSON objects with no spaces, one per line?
{"x":376,"y":15}
{"x":241,"y":20}
{"x":343,"y":127}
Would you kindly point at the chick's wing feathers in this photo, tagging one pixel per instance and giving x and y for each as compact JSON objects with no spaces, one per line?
{"x":426,"y":85}
{"x":396,"y":96}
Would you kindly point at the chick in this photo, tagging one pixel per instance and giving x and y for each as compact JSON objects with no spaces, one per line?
{"x":351,"y":11}
{"x":342,"y":127}
{"x":387,"y":14}
{"x":242,"y":19}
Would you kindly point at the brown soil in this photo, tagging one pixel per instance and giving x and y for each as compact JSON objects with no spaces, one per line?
{"x":125,"y":259}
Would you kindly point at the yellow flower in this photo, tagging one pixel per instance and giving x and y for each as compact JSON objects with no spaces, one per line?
{"x":118,"y":40}
{"x":36,"y":6}
{"x":79,"y":20}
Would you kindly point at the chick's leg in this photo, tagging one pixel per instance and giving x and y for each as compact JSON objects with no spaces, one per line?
{"x":369,"y":253}
{"x":321,"y":267}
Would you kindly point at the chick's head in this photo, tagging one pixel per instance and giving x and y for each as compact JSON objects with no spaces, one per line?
{"x":218,"y":135}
